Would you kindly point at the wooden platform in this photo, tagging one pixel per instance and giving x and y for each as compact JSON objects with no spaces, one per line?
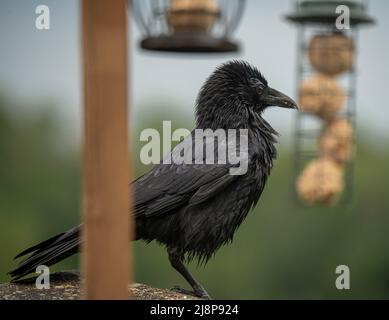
{"x":66,"y":286}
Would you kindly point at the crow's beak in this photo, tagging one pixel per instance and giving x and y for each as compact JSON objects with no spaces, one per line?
{"x":278,"y":99}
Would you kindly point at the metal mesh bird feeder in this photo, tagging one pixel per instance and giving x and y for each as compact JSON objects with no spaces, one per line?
{"x":188,"y":25}
{"x":326,"y":86}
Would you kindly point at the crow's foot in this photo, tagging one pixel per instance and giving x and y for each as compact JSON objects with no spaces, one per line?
{"x":199,"y":292}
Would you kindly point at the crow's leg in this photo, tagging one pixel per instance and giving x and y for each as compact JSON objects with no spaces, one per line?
{"x":175,"y":259}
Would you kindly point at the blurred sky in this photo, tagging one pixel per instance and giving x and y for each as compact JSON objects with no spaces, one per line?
{"x":39,"y":66}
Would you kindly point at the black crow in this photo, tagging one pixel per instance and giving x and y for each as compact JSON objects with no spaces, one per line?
{"x":194,"y":208}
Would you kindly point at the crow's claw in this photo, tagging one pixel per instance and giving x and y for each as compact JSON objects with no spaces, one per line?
{"x":200,"y":293}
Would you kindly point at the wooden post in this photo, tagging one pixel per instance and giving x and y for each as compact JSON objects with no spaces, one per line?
{"x":106,"y":196}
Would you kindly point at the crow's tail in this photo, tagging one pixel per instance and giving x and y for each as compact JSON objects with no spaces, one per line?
{"x":47,"y":252}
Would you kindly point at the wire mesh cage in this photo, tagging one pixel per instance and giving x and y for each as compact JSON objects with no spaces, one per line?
{"x":188,"y":25}
{"x":325,"y":99}
{"x":326,"y":78}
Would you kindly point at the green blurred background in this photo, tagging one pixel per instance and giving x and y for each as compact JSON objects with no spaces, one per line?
{"x":282,"y":250}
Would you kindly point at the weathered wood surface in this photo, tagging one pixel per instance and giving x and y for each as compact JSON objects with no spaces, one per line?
{"x":107,"y":220}
{"x":66,"y":286}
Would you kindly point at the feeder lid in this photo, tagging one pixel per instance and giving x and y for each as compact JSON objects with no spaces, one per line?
{"x":189,"y":42}
{"x":324,"y":11}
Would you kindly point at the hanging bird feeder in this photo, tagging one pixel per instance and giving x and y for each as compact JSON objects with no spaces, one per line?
{"x":188,"y":25}
{"x":326,"y":86}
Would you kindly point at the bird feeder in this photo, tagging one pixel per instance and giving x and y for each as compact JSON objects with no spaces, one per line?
{"x":326,"y":86}
{"x":188,"y":25}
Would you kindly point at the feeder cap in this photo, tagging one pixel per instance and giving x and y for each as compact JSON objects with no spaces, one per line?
{"x":189,"y":42}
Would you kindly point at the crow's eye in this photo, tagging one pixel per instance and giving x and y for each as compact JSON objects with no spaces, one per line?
{"x":260,"y":87}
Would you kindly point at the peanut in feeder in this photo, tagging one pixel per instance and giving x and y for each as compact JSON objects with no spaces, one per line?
{"x":331,"y":54}
{"x":321,"y":182}
{"x":336,"y":141}
{"x":192,"y":16}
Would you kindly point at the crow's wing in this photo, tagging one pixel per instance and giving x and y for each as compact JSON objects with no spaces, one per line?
{"x":168,"y":187}
{"x":172,"y":186}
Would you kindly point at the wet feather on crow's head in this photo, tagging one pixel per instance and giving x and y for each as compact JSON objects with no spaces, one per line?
{"x":234,"y":91}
